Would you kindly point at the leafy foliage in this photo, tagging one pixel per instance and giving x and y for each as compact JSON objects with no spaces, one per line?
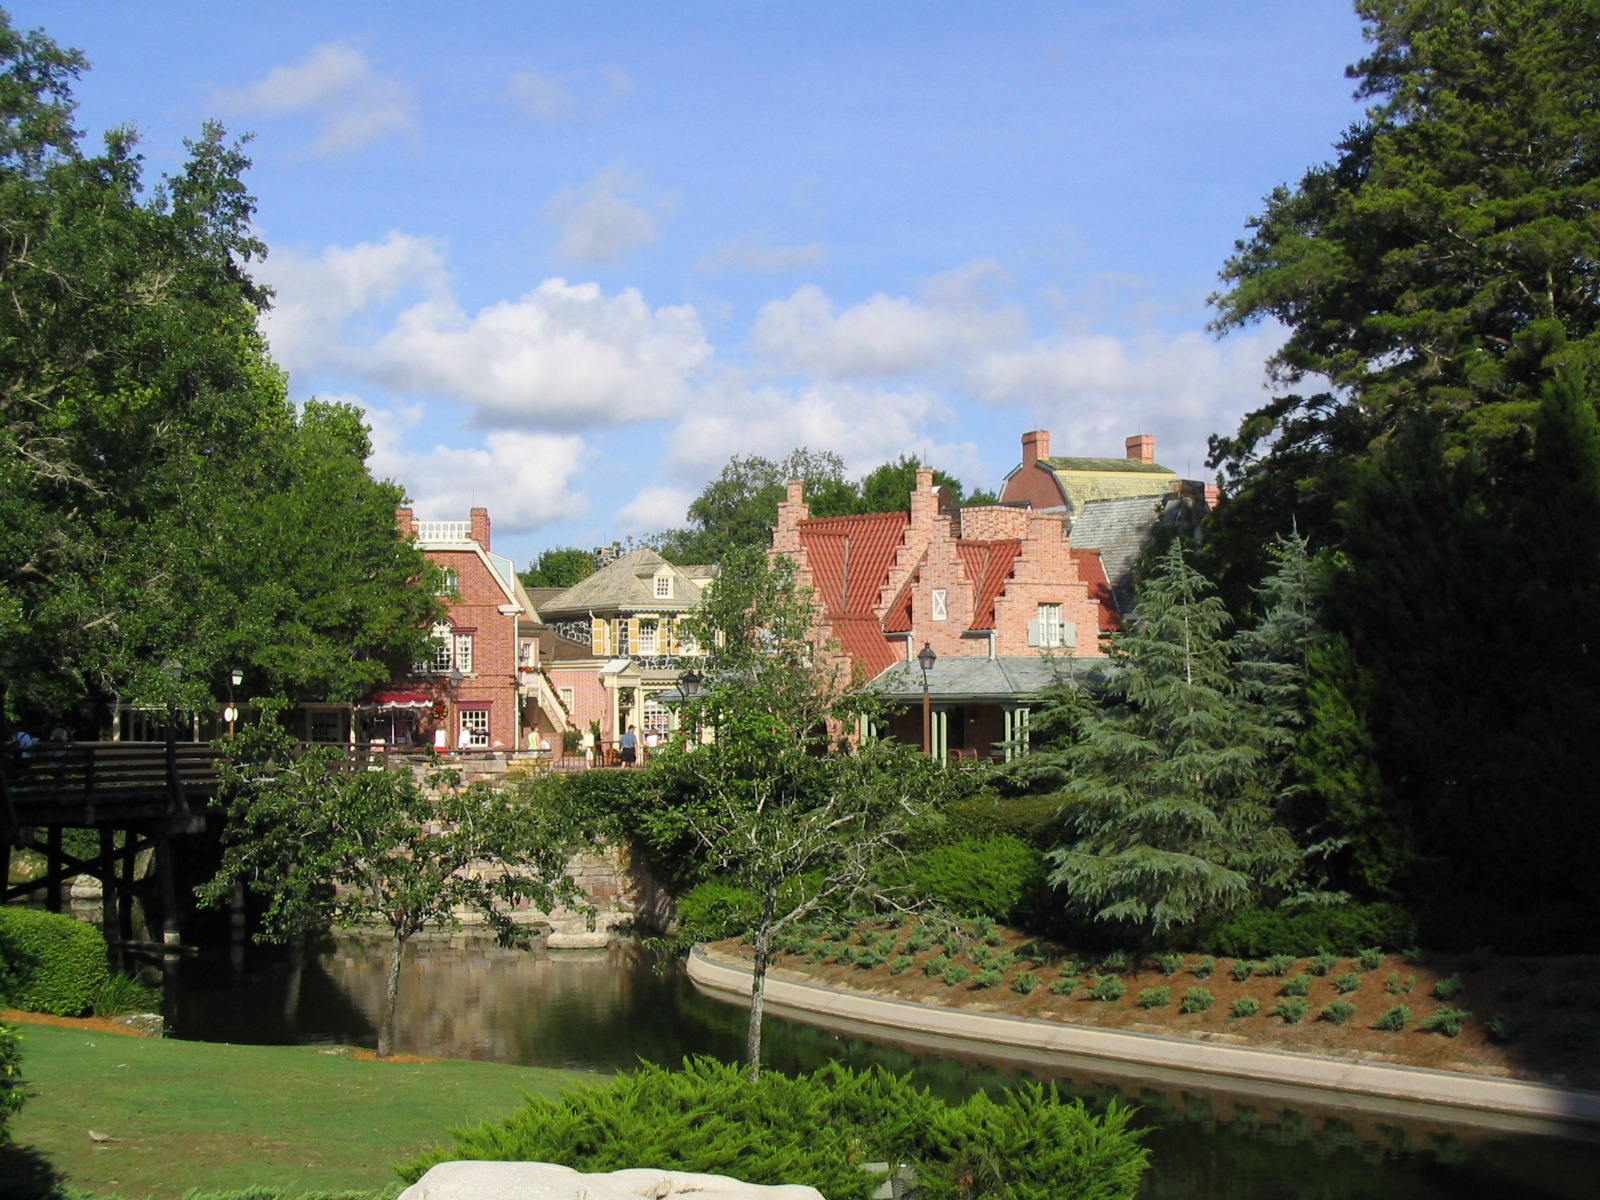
{"x":1308,"y":929}
{"x":13,"y":1088}
{"x":50,"y":963}
{"x":558,"y":567}
{"x":1393,"y":1019}
{"x":1196,"y":1000}
{"x":979,"y":877}
{"x":1337,"y":1012}
{"x":815,"y":1130}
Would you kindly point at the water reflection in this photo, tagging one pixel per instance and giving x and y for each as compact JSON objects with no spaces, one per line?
{"x":606,"y":1010}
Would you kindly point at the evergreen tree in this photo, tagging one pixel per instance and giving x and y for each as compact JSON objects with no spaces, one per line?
{"x":1170,"y":811}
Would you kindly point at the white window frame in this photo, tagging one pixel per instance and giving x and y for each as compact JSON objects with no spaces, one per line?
{"x":655,"y":717}
{"x":649,"y":636}
{"x":1050,"y":630}
{"x":663,"y":587}
{"x":463,"y":648}
{"x":449,"y":582}
{"x":443,"y":650}
{"x":476,"y":722}
{"x":940,"y":604}
{"x":568,"y":697}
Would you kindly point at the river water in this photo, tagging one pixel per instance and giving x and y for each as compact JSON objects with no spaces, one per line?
{"x":606,"y":1010}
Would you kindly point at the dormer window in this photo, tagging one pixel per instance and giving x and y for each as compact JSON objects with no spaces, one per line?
{"x":663,"y":587}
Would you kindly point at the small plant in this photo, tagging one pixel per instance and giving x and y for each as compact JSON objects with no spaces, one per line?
{"x":1196,"y":1000}
{"x":1395,"y":986}
{"x":1508,"y":1027}
{"x":1444,"y":1020}
{"x":1277,"y":964}
{"x":982,"y":927}
{"x":1204,"y":968}
{"x":1245,"y":1006}
{"x":1370,"y":959}
{"x":988,"y":978}
{"x":1393,"y":1020}
{"x":1296,"y":985}
{"x":1323,"y":963}
{"x":1241,"y":970}
{"x":1417,"y":956}
{"x":980,"y":956}
{"x":816,"y":950}
{"x":994,"y":937}
{"x":1117,"y":960}
{"x":1003,"y":961}
{"x":936,"y":965}
{"x":952,"y":942}
{"x":1074,"y":966}
{"x":1024,"y":982}
{"x":867,"y":959}
{"x":1292,"y":1010}
{"x":1449,"y":987}
{"x":121,"y":994}
{"x":1337,"y":1012}
{"x":1480,"y":958}
{"x":1156,"y":997}
{"x":1169,"y":964}
{"x":956,"y":973}
{"x":919,"y":940}
{"x":1064,"y":985}
{"x":1110,"y":989}
{"x":1349,"y":982}
{"x":899,"y":963}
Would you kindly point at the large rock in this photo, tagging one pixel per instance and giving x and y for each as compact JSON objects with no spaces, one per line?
{"x":547,"y":1181}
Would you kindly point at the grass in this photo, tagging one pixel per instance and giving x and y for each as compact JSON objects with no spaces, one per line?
{"x":195,"y":1115}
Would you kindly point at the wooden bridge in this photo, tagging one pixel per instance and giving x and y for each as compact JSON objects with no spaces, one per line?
{"x":146,"y":791}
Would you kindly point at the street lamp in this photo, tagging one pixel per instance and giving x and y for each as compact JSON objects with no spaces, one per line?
{"x":231,"y":714}
{"x":925,"y":660}
{"x":689,"y":684}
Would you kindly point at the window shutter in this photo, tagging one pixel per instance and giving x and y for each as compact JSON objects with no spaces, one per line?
{"x":1069,"y":633}
{"x":1033,"y":633}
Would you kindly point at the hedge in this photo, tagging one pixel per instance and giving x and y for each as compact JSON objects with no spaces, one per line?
{"x":815,"y":1130}
{"x":999,"y":876}
{"x":1339,"y":929}
{"x":12,"y":1088}
{"x":50,"y":963}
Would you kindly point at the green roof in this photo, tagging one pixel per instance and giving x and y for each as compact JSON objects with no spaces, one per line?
{"x":1106,"y":464}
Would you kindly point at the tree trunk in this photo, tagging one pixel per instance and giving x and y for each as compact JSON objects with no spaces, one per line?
{"x":386,"y":1022}
{"x":758,"y":982}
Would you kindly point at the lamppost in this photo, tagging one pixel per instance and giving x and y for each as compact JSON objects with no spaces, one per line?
{"x":173,"y":670}
{"x":925,"y":660}
{"x":456,"y":679}
{"x":231,"y":714}
{"x":689,"y":686}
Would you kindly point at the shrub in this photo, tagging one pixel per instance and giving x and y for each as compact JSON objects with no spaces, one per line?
{"x":1370,"y":959}
{"x":920,"y":939}
{"x":899,"y":963}
{"x":125,"y":994}
{"x":1393,"y":1020}
{"x":1156,"y":997}
{"x":1169,"y":964}
{"x":1293,"y":1010}
{"x":1297,"y":985}
{"x":1349,"y":982}
{"x":1338,"y":929}
{"x":813,"y":1130}
{"x":955,"y":974}
{"x":1204,"y":968}
{"x":989,"y":978}
{"x":980,"y":956}
{"x":1323,"y":963}
{"x":994,"y":937}
{"x":1196,"y":1000}
{"x":1396,"y":987}
{"x":50,"y":963}
{"x":1277,"y":964}
{"x":1242,"y":970}
{"x":1003,"y":961}
{"x":1508,"y":1027}
{"x":1117,"y":960}
{"x":1449,"y":987}
{"x":1024,"y":982}
{"x":13,"y":1090}
{"x":935,"y":965}
{"x":1245,"y":1006}
{"x":1337,"y":1012}
{"x":992,"y":876}
{"x":1064,"y":985}
{"x":1444,"y":1020}
{"x":715,"y":909}
{"x":1109,"y":988}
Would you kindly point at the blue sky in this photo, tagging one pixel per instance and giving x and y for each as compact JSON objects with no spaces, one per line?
{"x":571,"y":256}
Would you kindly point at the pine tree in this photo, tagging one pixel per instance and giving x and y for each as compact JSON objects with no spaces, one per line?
{"x":1170,"y":809}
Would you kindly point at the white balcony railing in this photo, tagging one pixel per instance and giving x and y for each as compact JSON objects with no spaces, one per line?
{"x":444,"y":531}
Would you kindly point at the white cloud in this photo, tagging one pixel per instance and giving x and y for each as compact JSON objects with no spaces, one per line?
{"x":886,"y":336}
{"x":523,"y":479}
{"x":564,"y":355}
{"x":355,"y":104}
{"x":755,"y":254}
{"x":315,"y":297}
{"x":1092,"y":390}
{"x":655,"y":507}
{"x":548,"y":98}
{"x":598,"y":221}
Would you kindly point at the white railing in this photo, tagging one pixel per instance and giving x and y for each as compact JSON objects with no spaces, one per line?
{"x":444,"y":531}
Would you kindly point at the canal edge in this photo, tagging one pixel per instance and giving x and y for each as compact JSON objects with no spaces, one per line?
{"x":1451,"y":1089}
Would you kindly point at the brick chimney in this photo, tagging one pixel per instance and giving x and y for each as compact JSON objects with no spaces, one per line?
{"x":1035,"y":445}
{"x":1142,"y":448}
{"x":1213,"y":495}
{"x":405,"y":521}
{"x":480,"y":527}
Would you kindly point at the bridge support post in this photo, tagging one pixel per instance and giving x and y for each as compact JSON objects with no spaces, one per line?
{"x":109,"y":892}
{"x":170,"y":932}
{"x":125,"y":892}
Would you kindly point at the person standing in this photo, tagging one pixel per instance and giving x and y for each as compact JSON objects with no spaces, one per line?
{"x":628,"y":747}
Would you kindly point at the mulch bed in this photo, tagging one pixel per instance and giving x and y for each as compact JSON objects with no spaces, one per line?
{"x":1553,"y":1002}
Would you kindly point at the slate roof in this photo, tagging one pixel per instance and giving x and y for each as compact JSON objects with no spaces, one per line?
{"x":543,"y":595}
{"x":1118,"y":528}
{"x":626,"y":585}
{"x":981,"y":679}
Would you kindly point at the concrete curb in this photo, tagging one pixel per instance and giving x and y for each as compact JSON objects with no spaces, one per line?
{"x":1272,"y":1068}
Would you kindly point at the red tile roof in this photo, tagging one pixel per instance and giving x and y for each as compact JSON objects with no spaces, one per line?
{"x":1092,"y":571}
{"x":850,"y":558}
{"x":862,"y":638}
{"x":989,"y":565}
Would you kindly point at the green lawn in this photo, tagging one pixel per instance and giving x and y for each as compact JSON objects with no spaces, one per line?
{"x":194,"y":1115}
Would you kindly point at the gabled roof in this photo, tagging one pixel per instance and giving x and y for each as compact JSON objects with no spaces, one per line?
{"x":989,"y":565}
{"x":1106,"y":464}
{"x":1118,"y":528}
{"x":626,"y":585}
{"x":1093,"y":574}
{"x":851,"y":557}
{"x":1084,"y":480}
